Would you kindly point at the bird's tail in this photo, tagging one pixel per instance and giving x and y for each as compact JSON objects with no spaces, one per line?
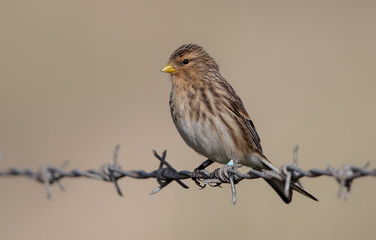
{"x":279,"y":187}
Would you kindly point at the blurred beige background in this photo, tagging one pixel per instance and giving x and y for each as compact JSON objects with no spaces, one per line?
{"x":79,"y":77}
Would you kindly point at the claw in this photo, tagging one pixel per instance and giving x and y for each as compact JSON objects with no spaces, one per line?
{"x":196,"y":179}
{"x":196,"y":172}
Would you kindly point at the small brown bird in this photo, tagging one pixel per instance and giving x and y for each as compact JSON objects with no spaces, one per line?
{"x":210,"y":116}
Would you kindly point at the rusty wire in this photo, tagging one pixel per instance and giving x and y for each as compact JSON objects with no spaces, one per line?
{"x":165,"y":174}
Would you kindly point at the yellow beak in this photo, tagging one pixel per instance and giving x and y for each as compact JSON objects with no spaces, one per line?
{"x":168,"y":69}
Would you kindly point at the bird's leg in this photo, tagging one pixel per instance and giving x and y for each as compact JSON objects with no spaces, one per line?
{"x":197,"y":170}
{"x":234,"y":165}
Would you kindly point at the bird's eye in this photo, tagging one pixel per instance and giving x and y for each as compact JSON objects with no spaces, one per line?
{"x":185,"y":61}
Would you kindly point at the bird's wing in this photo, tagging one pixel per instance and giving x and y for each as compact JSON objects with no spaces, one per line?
{"x":237,"y":107}
{"x":244,"y":115}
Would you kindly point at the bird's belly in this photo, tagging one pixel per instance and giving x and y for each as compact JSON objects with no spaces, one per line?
{"x":207,"y":138}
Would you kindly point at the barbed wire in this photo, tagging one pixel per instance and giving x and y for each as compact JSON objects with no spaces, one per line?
{"x":165,"y":174}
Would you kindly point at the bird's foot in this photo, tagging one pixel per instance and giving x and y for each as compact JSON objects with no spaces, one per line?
{"x":196,"y":173}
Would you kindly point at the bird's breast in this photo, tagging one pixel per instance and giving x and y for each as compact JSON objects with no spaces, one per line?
{"x":200,"y":129}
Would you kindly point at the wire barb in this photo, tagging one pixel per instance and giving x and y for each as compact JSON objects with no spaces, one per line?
{"x":165,"y":174}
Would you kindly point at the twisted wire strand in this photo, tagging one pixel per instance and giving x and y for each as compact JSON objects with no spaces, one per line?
{"x":165,"y":174}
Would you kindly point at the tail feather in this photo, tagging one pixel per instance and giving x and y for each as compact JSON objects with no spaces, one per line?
{"x":279,"y":187}
{"x":302,"y":191}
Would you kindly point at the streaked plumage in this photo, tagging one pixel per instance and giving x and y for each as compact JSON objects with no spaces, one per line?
{"x":211,"y":117}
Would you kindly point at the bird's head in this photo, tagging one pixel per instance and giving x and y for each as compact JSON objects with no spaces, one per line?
{"x":190,"y":62}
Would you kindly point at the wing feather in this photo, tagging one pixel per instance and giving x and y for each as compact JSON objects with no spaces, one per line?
{"x":237,"y":107}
